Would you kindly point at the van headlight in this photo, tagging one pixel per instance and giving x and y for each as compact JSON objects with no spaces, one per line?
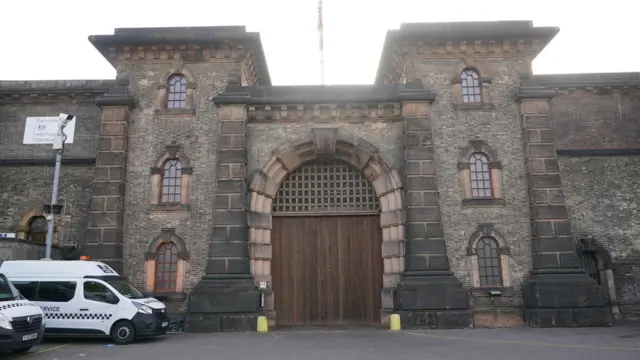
{"x":5,"y":323}
{"x":142,"y":308}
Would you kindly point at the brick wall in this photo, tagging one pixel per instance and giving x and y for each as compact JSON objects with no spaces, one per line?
{"x":587,"y":119}
{"x":500,"y":128}
{"x":601,"y":191}
{"x":149,"y":133}
{"x":25,"y":188}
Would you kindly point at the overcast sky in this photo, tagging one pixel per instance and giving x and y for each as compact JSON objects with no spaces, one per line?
{"x":47,"y":39}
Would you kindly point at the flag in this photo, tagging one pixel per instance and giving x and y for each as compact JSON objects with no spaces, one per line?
{"x":320,"y":28}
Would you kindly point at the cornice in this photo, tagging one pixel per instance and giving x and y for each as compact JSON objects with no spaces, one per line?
{"x":53,"y":91}
{"x":235,"y":94}
{"x":599,"y":83}
{"x":349,"y":112}
{"x":193,"y":44}
{"x":460,"y":40}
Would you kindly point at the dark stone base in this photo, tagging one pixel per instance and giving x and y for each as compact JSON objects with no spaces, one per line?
{"x":434,"y":300}
{"x":564,"y":300}
{"x":223,"y":303}
{"x":442,"y":319}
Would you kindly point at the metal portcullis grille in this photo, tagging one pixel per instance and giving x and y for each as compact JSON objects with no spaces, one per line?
{"x":325,"y":188}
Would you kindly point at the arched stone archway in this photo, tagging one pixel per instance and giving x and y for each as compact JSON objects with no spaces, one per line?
{"x":328,"y":143}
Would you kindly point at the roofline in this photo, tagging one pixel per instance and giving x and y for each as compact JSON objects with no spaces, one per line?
{"x":183,"y":35}
{"x":55,"y":86}
{"x":448,"y":31}
{"x":589,"y":80}
{"x":414,"y":91}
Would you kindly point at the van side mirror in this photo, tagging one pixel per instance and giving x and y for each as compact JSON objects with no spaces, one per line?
{"x":111,"y":298}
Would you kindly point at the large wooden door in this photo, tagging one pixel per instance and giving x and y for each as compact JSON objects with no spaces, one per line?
{"x":327,"y":270}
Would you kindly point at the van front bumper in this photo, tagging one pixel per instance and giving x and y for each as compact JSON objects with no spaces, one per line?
{"x":153,"y":324}
{"x":11,"y":340}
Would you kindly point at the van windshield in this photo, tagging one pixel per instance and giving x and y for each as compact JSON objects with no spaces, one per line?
{"x":125,"y":289}
{"x":7,"y":291}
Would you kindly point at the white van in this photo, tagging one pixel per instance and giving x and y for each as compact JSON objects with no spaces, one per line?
{"x":21,"y":321}
{"x":87,"y":298}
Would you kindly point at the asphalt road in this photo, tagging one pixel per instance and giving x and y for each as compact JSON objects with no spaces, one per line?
{"x":619,"y":343}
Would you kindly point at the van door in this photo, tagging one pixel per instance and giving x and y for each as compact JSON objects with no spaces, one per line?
{"x":99,"y":313}
{"x":58,"y":300}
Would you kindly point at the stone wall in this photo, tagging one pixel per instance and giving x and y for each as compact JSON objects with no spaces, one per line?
{"x":26,"y":174}
{"x":15,"y":249}
{"x":194,"y":131}
{"x":495,"y":122}
{"x":264,"y":138}
{"x":599,"y":132}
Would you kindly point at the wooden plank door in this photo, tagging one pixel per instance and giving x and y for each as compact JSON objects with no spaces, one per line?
{"x":327,"y":270}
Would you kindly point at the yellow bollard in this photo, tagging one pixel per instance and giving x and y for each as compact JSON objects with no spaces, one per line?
{"x":394,"y":322}
{"x":263,"y":325}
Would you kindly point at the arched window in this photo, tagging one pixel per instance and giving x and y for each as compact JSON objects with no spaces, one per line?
{"x":480,"y":174}
{"x":171,"y":182}
{"x":38,"y":229}
{"x":471,"y":87}
{"x":166,"y":274}
{"x":489,"y":262}
{"x":177,"y":93}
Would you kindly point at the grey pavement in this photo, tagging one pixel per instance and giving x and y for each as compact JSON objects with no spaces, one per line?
{"x":619,"y":343}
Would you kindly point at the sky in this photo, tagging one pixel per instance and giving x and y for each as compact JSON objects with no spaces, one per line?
{"x":47,"y":40}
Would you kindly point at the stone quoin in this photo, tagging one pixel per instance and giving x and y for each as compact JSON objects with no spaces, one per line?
{"x":458,"y":190}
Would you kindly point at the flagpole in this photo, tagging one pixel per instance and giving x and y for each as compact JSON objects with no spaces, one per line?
{"x":321,"y":42}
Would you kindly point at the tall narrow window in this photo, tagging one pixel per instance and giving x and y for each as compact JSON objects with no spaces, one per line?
{"x":38,"y":229}
{"x":166,"y":267}
{"x":489,"y":262}
{"x":480,"y":176}
{"x":171,"y":182}
{"x":471,"y":87}
{"x":177,"y":95}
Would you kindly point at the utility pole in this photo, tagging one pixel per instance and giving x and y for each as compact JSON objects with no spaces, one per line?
{"x":53,"y":208}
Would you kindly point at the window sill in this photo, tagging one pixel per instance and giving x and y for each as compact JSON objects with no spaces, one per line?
{"x":169,"y":296}
{"x":170,"y":207}
{"x":483,"y":202}
{"x":477,"y":107}
{"x":484,"y":291}
{"x":175,"y":112}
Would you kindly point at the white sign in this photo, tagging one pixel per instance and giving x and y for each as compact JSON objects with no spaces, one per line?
{"x":8,"y":235}
{"x":42,"y":130}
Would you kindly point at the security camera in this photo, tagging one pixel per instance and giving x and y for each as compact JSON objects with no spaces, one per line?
{"x":66,"y":117}
{"x":49,"y":217}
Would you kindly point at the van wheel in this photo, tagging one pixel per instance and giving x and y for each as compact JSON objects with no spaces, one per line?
{"x":123,"y":333}
{"x":22,"y":350}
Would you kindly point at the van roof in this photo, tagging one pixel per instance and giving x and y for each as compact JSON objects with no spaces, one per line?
{"x":54,"y":269}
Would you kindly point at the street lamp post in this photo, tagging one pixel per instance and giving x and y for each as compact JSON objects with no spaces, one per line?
{"x":53,"y":208}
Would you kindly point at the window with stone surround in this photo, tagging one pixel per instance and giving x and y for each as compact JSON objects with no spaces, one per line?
{"x":171,"y":179}
{"x":171,"y":182}
{"x":37,"y":231}
{"x":177,"y":92}
{"x":489,"y":258}
{"x":471,"y":86}
{"x":471,"y":90}
{"x":480,"y":174}
{"x":488,"y":262}
{"x":165,"y":267}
